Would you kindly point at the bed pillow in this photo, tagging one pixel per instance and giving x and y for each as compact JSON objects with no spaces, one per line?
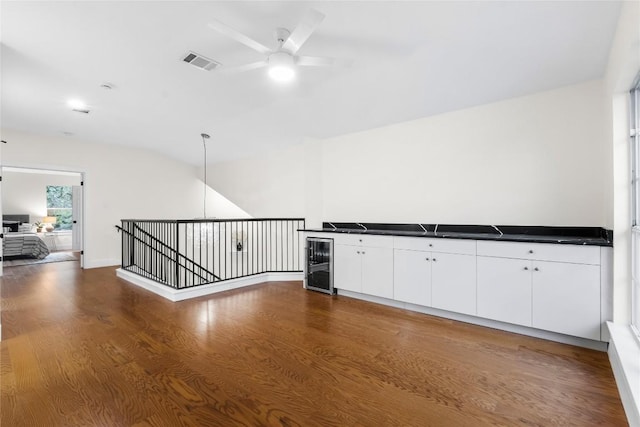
{"x":13,"y":225}
{"x":25,"y":228}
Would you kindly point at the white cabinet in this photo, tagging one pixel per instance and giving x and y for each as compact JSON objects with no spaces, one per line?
{"x":566,"y":298}
{"x":453,"y":282}
{"x":504,"y":290}
{"x":347,"y":268}
{"x":452,"y":246}
{"x":551,"y":287}
{"x":427,"y":273}
{"x":364,"y":269}
{"x":412,"y":277}
{"x":574,"y":254}
{"x":377,"y":271}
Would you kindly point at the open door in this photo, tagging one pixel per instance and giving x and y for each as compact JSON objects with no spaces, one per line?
{"x":76,"y":235}
{"x":2,"y":232}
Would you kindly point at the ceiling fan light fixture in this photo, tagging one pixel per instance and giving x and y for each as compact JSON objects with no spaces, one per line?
{"x":281,"y":67}
{"x":281,"y":73}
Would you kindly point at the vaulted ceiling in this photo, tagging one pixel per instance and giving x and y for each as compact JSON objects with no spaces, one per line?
{"x":409,"y":60}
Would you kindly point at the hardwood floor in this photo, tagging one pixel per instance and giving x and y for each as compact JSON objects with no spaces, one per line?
{"x":85,"y":348}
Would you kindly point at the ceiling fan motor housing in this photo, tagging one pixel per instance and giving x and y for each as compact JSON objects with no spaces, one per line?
{"x":281,"y":59}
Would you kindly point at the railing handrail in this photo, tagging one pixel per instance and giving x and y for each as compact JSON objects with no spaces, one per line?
{"x":206,"y":220}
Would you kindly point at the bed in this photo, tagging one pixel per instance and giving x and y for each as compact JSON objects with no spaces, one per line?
{"x":20,"y":244}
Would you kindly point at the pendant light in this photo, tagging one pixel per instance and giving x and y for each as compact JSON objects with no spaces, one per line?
{"x":204,"y":144}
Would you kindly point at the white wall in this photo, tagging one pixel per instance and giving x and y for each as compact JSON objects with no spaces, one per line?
{"x":267,"y":186}
{"x":119,"y":183}
{"x":623,"y":65}
{"x":218,"y":206}
{"x":26,"y":193}
{"x":533,"y":160}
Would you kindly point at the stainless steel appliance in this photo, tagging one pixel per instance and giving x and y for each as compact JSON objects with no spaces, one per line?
{"x":319,"y":265}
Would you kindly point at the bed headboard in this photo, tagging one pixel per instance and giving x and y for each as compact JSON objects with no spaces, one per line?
{"x":20,"y":218}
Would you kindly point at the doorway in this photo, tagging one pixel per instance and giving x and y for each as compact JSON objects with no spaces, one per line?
{"x":42,"y":212}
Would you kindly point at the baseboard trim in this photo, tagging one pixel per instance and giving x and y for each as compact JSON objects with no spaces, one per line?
{"x":99,"y":263}
{"x":183,"y":294}
{"x":494,"y":324}
{"x":624,"y":349}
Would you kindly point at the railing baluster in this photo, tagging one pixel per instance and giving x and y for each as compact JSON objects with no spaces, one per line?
{"x":245,"y":249}
{"x":177,"y":267}
{"x":269,"y":251}
{"x":233,"y":250}
{"x":218,"y":248}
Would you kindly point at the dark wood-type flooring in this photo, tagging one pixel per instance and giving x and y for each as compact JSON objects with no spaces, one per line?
{"x":84,"y":348}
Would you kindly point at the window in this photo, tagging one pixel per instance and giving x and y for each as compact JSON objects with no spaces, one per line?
{"x":59,"y":204}
{"x":635,"y":205}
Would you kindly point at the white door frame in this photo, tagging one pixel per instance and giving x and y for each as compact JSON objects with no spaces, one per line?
{"x":44,"y":170}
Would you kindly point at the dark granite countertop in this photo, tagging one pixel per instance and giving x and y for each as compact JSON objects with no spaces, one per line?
{"x":593,"y":236}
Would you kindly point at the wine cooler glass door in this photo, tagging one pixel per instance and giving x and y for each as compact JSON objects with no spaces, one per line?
{"x":319,"y":265}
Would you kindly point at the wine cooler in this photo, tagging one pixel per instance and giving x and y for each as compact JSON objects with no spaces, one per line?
{"x":319,"y":265}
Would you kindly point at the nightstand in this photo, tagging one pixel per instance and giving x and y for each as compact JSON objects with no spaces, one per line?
{"x":50,"y":240}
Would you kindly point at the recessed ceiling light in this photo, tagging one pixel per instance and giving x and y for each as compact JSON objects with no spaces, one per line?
{"x":76,"y":104}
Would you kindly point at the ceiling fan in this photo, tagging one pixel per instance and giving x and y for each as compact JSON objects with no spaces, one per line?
{"x":282,"y":61}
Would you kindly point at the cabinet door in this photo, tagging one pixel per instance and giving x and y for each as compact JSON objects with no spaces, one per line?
{"x":347,"y":268}
{"x":566,"y":298}
{"x":412,"y":276}
{"x":377,"y":271}
{"x":504,"y":289}
{"x":453,"y":282}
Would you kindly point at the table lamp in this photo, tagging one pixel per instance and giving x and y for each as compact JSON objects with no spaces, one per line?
{"x":49,"y":221}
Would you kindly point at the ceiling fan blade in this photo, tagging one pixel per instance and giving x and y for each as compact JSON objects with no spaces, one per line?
{"x":245,"y":67}
{"x":238,"y":36}
{"x":309,"y":23}
{"x":316,"y":61}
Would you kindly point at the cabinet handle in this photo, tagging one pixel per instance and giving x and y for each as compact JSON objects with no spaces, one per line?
{"x":358,"y":252}
{"x":430,"y":245}
{"x":362,"y":252}
{"x":434,"y":260}
{"x":536,"y":269}
{"x":360,"y":240}
{"x":526,"y":268}
{"x":530,"y":251}
{"x":427,"y":259}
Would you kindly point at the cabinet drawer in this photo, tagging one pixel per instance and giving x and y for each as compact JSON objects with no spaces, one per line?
{"x":541,"y":252}
{"x":454,"y":246}
{"x":364,"y":240}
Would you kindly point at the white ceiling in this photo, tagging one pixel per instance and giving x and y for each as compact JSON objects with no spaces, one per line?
{"x":410,"y":60}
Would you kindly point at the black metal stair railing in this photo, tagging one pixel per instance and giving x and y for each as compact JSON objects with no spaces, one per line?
{"x":187,"y":253}
{"x":157,"y":267}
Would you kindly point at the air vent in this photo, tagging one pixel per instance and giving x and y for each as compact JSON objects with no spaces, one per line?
{"x":200,"y":61}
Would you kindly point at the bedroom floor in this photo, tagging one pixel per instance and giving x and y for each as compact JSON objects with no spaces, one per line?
{"x":59,"y":256}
